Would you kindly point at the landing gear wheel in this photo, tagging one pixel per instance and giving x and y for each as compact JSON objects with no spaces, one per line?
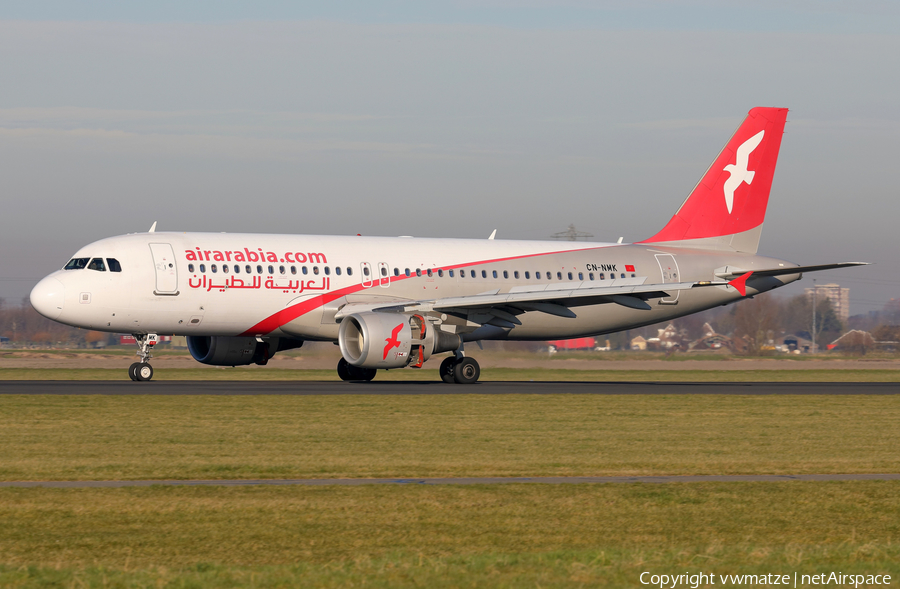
{"x":365,"y":374}
{"x":132,"y":371}
{"x":144,"y":372}
{"x":343,"y":370}
{"x":446,"y":369}
{"x":466,"y":371}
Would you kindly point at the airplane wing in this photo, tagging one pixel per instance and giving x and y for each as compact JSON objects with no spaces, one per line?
{"x":553,"y":299}
{"x":558,"y":299}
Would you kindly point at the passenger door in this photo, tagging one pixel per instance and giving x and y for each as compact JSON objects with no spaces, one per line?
{"x":166,"y":269}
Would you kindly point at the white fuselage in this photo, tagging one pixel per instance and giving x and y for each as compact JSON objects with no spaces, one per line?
{"x":292,"y":285}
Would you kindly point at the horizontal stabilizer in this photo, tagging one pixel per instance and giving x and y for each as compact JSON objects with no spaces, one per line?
{"x":730,"y":271}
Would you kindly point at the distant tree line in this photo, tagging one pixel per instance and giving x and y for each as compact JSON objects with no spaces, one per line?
{"x":23,"y":326}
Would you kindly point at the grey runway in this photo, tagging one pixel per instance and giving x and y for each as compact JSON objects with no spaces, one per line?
{"x":196,"y":387}
{"x":461,"y":481}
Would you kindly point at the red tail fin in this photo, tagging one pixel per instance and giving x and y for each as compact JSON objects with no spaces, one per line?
{"x":727,"y":208}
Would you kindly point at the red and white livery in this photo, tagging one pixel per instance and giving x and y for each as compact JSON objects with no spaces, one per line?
{"x":394,"y":302}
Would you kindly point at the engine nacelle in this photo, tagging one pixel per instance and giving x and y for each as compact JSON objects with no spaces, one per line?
{"x":236,"y":351}
{"x":391,"y":340}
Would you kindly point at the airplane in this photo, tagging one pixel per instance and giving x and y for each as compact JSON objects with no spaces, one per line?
{"x":394,"y":302}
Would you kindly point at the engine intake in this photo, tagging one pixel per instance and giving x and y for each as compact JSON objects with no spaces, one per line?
{"x":236,"y":351}
{"x":391,"y":340}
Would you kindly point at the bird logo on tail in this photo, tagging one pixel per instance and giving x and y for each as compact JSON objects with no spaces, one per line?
{"x":738,"y":171}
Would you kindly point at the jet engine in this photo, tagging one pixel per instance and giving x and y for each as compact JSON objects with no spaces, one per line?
{"x":236,"y":351}
{"x":391,"y":340}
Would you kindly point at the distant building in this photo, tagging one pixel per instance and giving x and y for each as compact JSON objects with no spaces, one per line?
{"x":638,"y":343}
{"x":710,"y":340}
{"x":853,"y":340}
{"x":792,"y":343}
{"x":837,"y":296}
{"x":580,"y":343}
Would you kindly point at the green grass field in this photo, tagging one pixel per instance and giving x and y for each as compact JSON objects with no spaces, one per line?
{"x":183,"y":437}
{"x":515,"y":535}
{"x":496,"y":536}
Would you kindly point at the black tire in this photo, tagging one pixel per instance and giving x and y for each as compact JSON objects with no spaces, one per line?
{"x":446,"y":369}
{"x":144,"y":372}
{"x":132,"y":371}
{"x":366,"y":374}
{"x":344,"y":370}
{"x":466,"y":371}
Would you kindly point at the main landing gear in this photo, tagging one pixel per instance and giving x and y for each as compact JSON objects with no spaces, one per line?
{"x":461,"y":370}
{"x":348,"y":371}
{"x":142,"y":371}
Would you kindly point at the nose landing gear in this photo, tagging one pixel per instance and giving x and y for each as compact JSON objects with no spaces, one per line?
{"x":142,"y":371}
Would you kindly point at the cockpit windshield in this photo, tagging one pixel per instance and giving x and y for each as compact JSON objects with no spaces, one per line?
{"x":97,"y":264}
{"x":77,"y":264}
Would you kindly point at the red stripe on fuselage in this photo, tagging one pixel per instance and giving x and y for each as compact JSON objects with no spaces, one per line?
{"x":288,"y":314}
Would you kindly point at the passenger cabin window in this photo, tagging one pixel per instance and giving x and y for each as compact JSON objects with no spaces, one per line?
{"x":559,"y":275}
{"x":214,"y":268}
{"x":259,"y":269}
{"x":516,"y":274}
{"x":203,"y":268}
{"x":451,"y":273}
{"x":484,"y":273}
{"x":225,"y":268}
{"x":580,"y":276}
{"x":271,"y":270}
{"x":429,"y":273}
{"x":237,"y":269}
{"x":77,"y":264}
{"x":349,"y":271}
{"x":527,"y":275}
{"x":383,"y":271}
{"x":190,"y":267}
{"x":337,"y":270}
{"x":97,"y":264}
{"x":494,"y":273}
{"x":327,"y":271}
{"x":418,"y":271}
{"x":294,"y":270}
{"x":462,"y":273}
{"x":406,"y":271}
{"x":114,"y":265}
{"x":396,"y":271}
{"x":570,"y":276}
{"x":440,"y":273}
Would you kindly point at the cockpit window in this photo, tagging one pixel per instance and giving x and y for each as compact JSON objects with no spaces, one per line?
{"x":114,"y":265}
{"x":97,"y":264}
{"x":77,"y":264}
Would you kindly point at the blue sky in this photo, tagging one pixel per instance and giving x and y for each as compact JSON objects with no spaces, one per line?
{"x":524,"y":116}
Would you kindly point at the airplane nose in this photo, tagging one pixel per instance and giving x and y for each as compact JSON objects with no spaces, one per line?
{"x":47,"y":297}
